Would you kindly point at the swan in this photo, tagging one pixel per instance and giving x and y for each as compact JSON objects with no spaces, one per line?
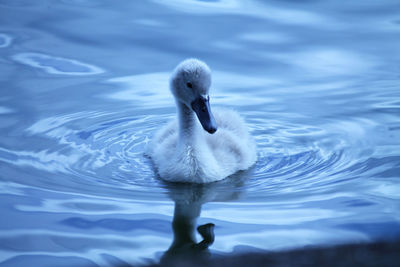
{"x":200,"y":146}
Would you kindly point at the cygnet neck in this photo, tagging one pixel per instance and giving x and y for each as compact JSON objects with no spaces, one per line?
{"x":187,"y":122}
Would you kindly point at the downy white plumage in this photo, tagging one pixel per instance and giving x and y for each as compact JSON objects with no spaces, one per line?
{"x":200,"y":149}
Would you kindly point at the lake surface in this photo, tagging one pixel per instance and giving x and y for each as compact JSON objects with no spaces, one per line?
{"x":84,"y":86}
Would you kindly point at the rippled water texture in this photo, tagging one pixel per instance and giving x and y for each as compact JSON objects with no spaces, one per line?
{"x":84,"y":86}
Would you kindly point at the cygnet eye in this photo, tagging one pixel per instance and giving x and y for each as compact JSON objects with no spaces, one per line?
{"x":189,"y":85}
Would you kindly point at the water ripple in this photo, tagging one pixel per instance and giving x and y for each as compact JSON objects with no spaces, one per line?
{"x":57,"y":65}
{"x":5,"y":40}
{"x":108,"y":152}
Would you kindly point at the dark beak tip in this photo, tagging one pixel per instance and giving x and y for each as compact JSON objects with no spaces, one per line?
{"x":212,"y":130}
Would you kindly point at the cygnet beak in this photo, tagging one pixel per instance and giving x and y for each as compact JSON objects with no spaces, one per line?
{"x":201,"y":106}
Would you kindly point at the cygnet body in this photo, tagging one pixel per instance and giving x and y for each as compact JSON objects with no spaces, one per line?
{"x":200,"y":146}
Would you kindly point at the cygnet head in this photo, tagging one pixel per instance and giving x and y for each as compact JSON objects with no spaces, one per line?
{"x":190,"y":84}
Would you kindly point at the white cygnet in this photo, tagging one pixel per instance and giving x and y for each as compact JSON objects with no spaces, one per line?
{"x":200,"y":146}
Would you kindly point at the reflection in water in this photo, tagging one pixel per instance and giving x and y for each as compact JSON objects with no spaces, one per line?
{"x":189,"y":199}
{"x":184,"y":244}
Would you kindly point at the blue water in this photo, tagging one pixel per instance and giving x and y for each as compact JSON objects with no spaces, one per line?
{"x":84,"y":86}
